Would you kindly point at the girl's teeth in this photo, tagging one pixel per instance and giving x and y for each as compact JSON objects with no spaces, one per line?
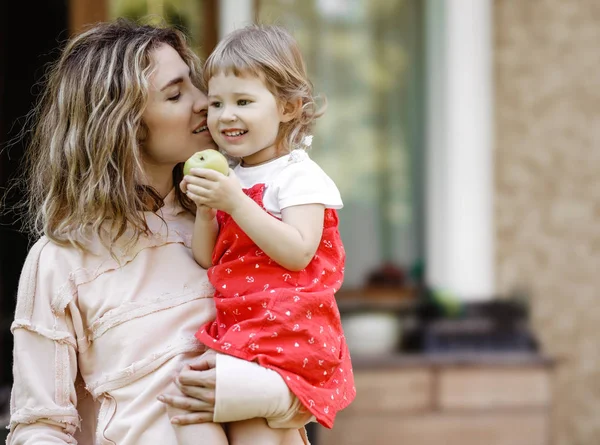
{"x":234,"y":133}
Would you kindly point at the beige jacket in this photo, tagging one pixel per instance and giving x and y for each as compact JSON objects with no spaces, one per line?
{"x":96,"y":340}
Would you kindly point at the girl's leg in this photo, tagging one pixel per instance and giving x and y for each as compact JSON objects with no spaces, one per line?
{"x":256,"y":431}
{"x":200,"y":434}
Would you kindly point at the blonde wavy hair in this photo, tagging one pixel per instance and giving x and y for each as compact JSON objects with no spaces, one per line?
{"x":83,"y":164}
{"x":271,"y":53}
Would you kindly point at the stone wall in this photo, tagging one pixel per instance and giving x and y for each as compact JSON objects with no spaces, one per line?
{"x":547,"y":76}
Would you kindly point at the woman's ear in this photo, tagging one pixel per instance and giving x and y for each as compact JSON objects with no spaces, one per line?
{"x":142,"y":133}
{"x":291,"y":109}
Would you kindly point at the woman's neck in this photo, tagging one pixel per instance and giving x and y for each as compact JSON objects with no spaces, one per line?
{"x":160,"y":179}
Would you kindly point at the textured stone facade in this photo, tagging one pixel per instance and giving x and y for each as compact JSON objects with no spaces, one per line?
{"x":547,"y":77}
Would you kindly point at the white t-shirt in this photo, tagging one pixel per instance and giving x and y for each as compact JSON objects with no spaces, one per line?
{"x":291,"y":180}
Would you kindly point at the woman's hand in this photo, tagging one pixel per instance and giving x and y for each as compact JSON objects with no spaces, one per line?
{"x":197,"y":382}
{"x":213,"y":189}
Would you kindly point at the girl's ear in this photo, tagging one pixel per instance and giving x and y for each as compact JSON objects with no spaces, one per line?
{"x":291,"y":109}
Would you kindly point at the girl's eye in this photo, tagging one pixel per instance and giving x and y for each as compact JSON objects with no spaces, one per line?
{"x":243,"y":102}
{"x":174,"y":98}
{"x":215,"y":104}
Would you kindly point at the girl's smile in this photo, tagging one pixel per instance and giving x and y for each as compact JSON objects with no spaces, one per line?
{"x":234,"y":135}
{"x":244,"y":117}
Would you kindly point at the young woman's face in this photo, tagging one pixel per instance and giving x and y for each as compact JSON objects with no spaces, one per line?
{"x":244,"y":117}
{"x":175,"y":116}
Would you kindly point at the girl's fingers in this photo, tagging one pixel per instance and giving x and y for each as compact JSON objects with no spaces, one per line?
{"x":199,"y":192}
{"x":207,"y":173}
{"x":198,"y":200}
{"x":200,"y":182}
{"x":204,"y":175}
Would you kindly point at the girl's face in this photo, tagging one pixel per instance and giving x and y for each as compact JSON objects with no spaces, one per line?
{"x":175,"y":116}
{"x":244,"y":117}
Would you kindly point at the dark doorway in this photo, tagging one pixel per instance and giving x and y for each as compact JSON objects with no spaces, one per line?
{"x":30,"y":34}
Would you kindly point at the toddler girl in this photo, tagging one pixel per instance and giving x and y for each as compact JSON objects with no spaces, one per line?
{"x":268,"y":232}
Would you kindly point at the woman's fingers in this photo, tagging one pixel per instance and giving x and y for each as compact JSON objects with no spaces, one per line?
{"x":187,"y":419}
{"x":187,"y":403}
{"x":204,"y":395}
{"x":206,"y":361}
{"x":203,"y":379}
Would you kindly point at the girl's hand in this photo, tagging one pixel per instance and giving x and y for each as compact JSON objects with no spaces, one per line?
{"x":213,"y":189}
{"x":197,"y":381}
{"x":203,"y":212}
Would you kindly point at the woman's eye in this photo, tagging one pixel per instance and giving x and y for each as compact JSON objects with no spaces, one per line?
{"x":243,"y":102}
{"x":174,"y":98}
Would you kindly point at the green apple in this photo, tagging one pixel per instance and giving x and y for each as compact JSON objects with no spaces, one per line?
{"x":208,"y":158}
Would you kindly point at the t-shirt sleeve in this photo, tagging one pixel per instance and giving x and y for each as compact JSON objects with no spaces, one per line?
{"x":304,"y":182}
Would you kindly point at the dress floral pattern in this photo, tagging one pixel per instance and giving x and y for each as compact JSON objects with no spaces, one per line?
{"x":284,"y":320}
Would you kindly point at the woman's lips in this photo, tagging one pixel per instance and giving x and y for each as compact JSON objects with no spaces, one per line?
{"x":200,"y":128}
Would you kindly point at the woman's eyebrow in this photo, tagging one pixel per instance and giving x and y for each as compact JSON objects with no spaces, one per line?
{"x":175,"y":81}
{"x":172,"y":82}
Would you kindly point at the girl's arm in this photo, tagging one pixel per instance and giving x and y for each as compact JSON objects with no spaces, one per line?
{"x":291,"y":242}
{"x":206,"y":229}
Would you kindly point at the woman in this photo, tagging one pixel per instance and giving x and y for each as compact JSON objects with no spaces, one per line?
{"x":110,"y":297}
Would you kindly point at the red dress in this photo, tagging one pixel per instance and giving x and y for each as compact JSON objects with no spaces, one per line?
{"x":283,"y":320}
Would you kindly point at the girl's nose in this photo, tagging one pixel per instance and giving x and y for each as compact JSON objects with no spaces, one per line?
{"x":227,"y":114}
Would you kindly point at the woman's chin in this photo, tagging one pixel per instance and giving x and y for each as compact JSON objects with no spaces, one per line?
{"x":200,"y":147}
{"x":213,"y":146}
{"x":207,"y":145}
{"x":203,"y":141}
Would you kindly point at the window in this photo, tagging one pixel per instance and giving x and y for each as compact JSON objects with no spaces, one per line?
{"x":194,"y":17}
{"x":366,"y":57}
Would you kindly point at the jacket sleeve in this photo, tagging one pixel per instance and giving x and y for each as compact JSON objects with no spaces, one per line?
{"x":246,"y":390}
{"x":43,"y":400}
